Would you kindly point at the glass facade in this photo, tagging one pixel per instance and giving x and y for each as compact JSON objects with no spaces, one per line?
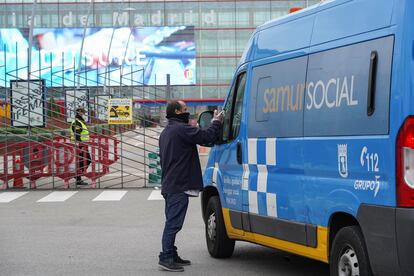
{"x":222,"y":28}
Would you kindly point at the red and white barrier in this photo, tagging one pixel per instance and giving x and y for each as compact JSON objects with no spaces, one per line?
{"x":58,"y":157}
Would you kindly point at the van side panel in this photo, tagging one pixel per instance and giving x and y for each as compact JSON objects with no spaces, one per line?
{"x":349,"y":156}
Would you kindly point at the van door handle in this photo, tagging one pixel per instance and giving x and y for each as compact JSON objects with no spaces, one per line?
{"x":239,"y":153}
{"x":371,"y":83}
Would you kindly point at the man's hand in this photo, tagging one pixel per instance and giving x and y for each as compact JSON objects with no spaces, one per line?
{"x":218,"y":116}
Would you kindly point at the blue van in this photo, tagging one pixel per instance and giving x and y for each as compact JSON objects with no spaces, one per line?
{"x":317,"y":152}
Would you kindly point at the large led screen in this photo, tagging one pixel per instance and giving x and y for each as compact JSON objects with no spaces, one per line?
{"x":110,"y":56}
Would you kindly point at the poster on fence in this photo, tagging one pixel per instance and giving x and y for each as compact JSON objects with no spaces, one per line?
{"x":75,"y":98}
{"x":101,"y":107}
{"x":5,"y":110}
{"x":120,"y":111}
{"x":27,"y":99}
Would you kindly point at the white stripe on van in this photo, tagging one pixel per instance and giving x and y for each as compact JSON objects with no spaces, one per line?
{"x":271,"y":151}
{"x":262,"y":178}
{"x":271,"y":205}
{"x":253,"y":208}
{"x":246,"y":174}
{"x":215,"y":171}
{"x":252,"y":151}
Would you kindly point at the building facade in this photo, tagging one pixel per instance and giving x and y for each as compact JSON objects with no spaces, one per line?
{"x":221,"y":28}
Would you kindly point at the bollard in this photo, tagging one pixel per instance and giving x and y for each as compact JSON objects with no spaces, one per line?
{"x":32,"y":184}
{"x":154,"y":176}
{"x":66,"y":183}
{"x":18,"y":180}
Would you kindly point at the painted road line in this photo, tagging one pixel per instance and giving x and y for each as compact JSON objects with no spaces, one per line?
{"x":155,"y":195}
{"x":7,"y":197}
{"x":110,"y":196}
{"x":57,"y":196}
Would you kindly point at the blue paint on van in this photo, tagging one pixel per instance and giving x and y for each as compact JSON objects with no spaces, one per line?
{"x":325,"y":95}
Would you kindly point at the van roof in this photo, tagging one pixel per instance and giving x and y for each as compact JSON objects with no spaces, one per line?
{"x":303,"y":12}
{"x":284,"y":19}
{"x":332,"y":24}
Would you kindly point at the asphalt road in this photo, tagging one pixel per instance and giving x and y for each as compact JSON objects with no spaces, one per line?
{"x":119,"y":235}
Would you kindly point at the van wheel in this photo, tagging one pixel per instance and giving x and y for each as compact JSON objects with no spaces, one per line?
{"x":349,"y":256}
{"x":218,"y":243}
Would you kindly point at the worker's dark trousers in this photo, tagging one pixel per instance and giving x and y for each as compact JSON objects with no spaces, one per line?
{"x":83,"y":162}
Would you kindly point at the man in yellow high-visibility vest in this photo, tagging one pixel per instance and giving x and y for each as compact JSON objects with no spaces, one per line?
{"x":79,"y":134}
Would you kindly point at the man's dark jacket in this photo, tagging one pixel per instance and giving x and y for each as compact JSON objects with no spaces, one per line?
{"x":180,"y":164}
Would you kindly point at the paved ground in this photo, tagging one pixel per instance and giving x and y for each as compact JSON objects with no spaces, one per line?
{"x":118,"y":233}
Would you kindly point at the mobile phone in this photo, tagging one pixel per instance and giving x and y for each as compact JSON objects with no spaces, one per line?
{"x":221,"y":113}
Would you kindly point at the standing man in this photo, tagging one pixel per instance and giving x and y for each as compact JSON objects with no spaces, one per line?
{"x":181,"y":174}
{"x":79,"y":134}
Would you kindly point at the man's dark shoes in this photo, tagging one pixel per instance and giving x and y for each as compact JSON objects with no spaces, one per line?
{"x":170,"y":266}
{"x":182,"y":262}
{"x":81,"y":182}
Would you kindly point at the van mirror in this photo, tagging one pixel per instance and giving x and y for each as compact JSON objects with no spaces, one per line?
{"x":204,"y":120}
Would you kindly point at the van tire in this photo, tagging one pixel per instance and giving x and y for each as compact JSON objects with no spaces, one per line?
{"x":218,"y":243}
{"x":349,"y":253}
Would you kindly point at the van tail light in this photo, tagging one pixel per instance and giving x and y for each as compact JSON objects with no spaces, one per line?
{"x":405,"y":164}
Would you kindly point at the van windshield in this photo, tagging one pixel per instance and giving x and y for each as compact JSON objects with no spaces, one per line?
{"x":243,"y":58}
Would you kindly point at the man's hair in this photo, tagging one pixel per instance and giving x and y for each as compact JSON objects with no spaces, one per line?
{"x":172,"y":106}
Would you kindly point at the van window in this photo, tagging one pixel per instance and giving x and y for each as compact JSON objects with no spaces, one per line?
{"x":276,"y":99}
{"x":227,"y":118}
{"x":337,"y":90}
{"x":238,"y":105}
{"x":233,"y":107}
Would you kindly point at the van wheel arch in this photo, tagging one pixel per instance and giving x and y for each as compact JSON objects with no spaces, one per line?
{"x":207,"y":193}
{"x":338,"y":221}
